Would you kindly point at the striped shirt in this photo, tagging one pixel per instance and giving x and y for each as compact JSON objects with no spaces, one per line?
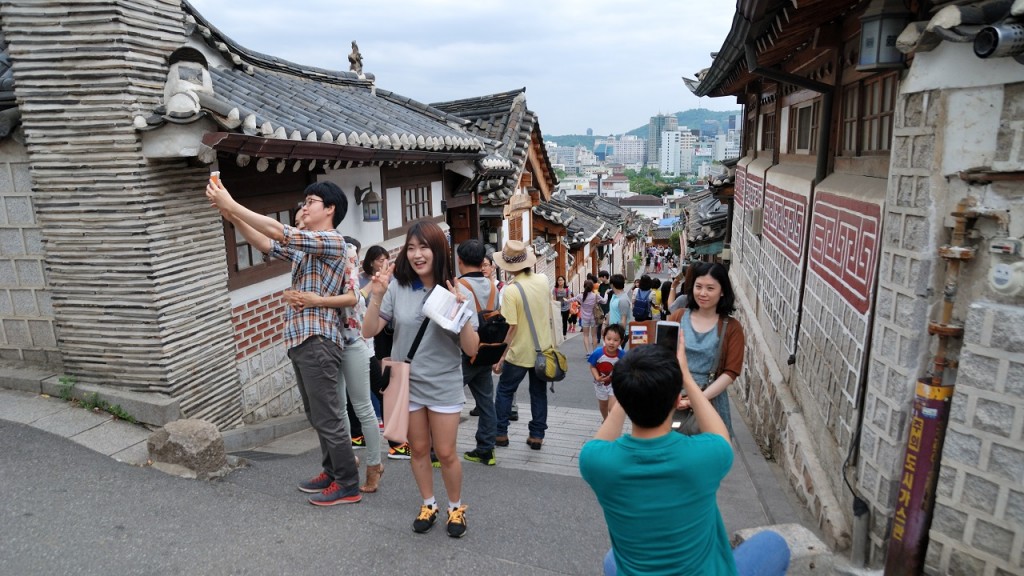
{"x":318,"y":266}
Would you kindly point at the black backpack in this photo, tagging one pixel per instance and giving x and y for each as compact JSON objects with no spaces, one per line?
{"x":492,"y":331}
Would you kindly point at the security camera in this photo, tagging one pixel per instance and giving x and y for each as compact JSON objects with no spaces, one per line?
{"x":1002,"y":39}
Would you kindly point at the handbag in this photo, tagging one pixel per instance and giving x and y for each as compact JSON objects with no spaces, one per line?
{"x":687,"y":421}
{"x":551,"y":365}
{"x":395,"y":374}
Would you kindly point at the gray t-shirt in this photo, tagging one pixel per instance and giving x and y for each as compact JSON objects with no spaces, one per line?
{"x":435,"y":374}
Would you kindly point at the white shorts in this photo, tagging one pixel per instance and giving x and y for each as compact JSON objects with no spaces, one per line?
{"x":452,"y":409}
{"x":603,"y":391}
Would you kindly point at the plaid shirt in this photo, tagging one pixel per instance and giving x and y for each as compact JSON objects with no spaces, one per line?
{"x":318,"y":266}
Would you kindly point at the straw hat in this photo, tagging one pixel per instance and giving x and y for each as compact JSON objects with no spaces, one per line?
{"x":515,"y":256}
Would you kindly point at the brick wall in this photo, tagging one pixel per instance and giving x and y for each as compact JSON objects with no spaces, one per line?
{"x":264,"y":370}
{"x":27,"y":331}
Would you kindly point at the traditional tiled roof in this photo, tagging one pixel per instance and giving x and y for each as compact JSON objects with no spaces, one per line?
{"x":641,"y":200}
{"x":581,"y":222}
{"x":263,"y":97}
{"x":508,"y":125}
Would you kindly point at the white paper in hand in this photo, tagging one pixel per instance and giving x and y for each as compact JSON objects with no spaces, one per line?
{"x":442,"y":307}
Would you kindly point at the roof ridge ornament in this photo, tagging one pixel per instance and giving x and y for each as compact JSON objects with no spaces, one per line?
{"x":355,"y":61}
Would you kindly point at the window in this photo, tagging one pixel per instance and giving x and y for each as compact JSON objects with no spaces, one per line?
{"x":415,"y":202}
{"x":768,"y":131}
{"x":246,"y":264}
{"x":867,"y":113}
{"x":803,"y":128}
{"x":515,"y":226}
{"x":851,"y":111}
{"x":879,"y":103}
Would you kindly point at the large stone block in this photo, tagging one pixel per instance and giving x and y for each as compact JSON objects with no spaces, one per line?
{"x":1007,"y":462}
{"x":194,"y":444}
{"x":962,"y":447}
{"x":995,"y":417}
{"x":949,"y":521}
{"x":994,"y":539}
{"x":980,"y":494}
{"x":11,"y":243}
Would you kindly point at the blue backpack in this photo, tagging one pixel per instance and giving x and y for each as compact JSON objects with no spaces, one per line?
{"x":642,"y":305}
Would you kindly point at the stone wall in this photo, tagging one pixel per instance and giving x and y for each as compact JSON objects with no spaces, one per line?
{"x":978,"y":522}
{"x":264,"y":369}
{"x":134,"y":256}
{"x":978,"y":525}
{"x":27,"y":332}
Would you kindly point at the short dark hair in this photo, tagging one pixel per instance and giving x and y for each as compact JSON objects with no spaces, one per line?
{"x":646,"y":283}
{"x":472,"y":252}
{"x":602,"y":274}
{"x":618,"y":281}
{"x":354,"y":242}
{"x":372,"y":253}
{"x":618,"y":329}
{"x":332,"y":195}
{"x":727,"y":304}
{"x":647,"y":383}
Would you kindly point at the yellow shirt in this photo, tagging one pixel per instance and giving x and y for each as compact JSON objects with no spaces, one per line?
{"x":655,"y":302}
{"x":521,"y":351}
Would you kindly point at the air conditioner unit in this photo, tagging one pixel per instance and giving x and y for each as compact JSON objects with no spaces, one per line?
{"x":757,"y":221}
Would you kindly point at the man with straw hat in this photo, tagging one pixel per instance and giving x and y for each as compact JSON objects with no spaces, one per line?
{"x":518,"y":259}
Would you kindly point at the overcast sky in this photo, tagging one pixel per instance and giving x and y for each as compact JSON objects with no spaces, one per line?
{"x":608,"y":65}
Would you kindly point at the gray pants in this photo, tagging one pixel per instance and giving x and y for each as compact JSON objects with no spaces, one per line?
{"x":355,"y":381}
{"x":317,"y":362}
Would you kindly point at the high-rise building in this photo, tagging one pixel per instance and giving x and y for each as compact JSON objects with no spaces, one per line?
{"x":655,"y":128}
{"x":677,"y":152}
{"x":624,"y":149}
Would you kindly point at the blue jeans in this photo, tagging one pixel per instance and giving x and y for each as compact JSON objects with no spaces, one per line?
{"x":508,"y":383}
{"x":765,"y":554}
{"x":481,"y":385}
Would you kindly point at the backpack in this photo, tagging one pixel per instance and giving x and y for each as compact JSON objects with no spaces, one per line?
{"x":492,"y":330}
{"x":642,"y":305}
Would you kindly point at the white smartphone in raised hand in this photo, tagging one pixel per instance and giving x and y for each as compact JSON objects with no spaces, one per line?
{"x":667,"y":334}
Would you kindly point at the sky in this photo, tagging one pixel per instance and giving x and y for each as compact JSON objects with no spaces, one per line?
{"x":606,"y":65}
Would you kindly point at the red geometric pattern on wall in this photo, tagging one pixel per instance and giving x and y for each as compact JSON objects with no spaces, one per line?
{"x":754,"y":195}
{"x":258,"y":324}
{"x":844,"y":246}
{"x":741,"y":182}
{"x":784,"y":217}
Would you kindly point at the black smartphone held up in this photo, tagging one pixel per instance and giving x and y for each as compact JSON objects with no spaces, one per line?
{"x":667,"y":334}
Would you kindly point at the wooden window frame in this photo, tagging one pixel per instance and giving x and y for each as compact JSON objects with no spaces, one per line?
{"x":417,"y":200}
{"x":768,"y":131}
{"x":868,"y":120}
{"x":276,"y":207}
{"x":408,"y":178}
{"x":811,"y":110}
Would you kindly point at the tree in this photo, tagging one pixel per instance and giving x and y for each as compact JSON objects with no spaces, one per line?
{"x":673,"y":242}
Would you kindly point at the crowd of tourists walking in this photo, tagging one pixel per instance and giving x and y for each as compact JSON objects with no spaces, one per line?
{"x":347,"y":317}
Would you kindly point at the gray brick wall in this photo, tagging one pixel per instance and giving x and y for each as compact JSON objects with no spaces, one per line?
{"x":900,"y":341}
{"x":979,"y":510}
{"x":27,"y":331}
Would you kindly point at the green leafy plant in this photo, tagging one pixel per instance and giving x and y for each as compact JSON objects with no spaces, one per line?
{"x":65,"y":385}
{"x":93,"y":402}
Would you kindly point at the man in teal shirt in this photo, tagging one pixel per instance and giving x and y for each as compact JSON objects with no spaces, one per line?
{"x":658,"y":488}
